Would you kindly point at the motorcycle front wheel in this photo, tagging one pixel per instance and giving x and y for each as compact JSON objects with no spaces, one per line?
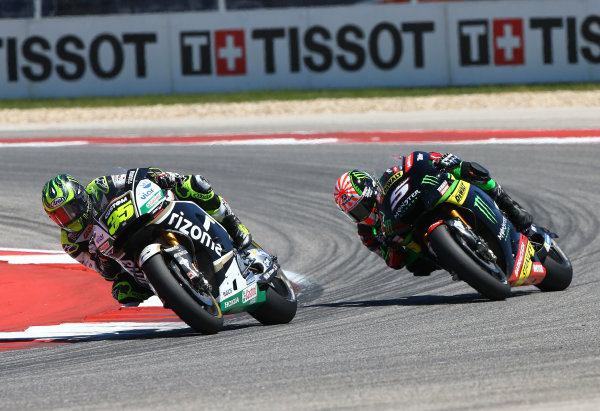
{"x":453,"y":258}
{"x":559,"y":271}
{"x":197,"y":308}
{"x":280,"y":305}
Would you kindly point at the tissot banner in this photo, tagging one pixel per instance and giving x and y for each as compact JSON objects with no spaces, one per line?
{"x":398,"y":45}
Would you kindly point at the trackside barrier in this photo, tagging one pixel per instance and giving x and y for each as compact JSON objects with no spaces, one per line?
{"x":395,"y":45}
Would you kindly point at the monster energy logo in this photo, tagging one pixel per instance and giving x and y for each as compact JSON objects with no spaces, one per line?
{"x":359,"y":175}
{"x":485,"y":209}
{"x":431,"y":180}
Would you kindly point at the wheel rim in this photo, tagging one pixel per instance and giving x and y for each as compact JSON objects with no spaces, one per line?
{"x":204,"y":299}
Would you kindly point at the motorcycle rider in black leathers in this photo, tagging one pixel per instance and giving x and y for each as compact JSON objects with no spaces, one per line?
{"x":358,"y":195}
{"x":71,"y":205}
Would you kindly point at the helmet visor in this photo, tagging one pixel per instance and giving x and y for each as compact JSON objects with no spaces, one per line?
{"x":361,"y":211}
{"x":69,"y":216}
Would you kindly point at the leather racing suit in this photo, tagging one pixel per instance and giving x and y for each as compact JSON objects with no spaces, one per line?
{"x":196,"y":188}
{"x":396,"y":256}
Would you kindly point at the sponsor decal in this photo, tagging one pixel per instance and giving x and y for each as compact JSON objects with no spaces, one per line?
{"x":420,"y":157}
{"x":407,"y":203}
{"x":229,"y":52}
{"x":121,"y":211}
{"x":152,"y":202}
{"x":186,"y":227}
{"x":227,"y":292}
{"x":443,"y":188}
{"x":57,"y":202}
{"x":502,"y":42}
{"x":538,"y":268}
{"x":408,"y":163}
{"x":520,"y":257}
{"x":130,"y":176}
{"x":314,"y":48}
{"x":459,"y":195}
{"x":524,"y":262}
{"x":70,"y":57}
{"x":269,"y":273}
{"x":485,"y":209}
{"x":114,"y":205}
{"x":431,"y":180}
{"x":392,"y":180}
{"x":399,"y":193}
{"x":103,"y":247}
{"x":149,"y":193}
{"x":508,"y":42}
{"x":527,"y":261}
{"x":231,"y":302}
{"x":118,"y":180}
{"x":503,"y":229}
{"x":353,"y":46}
{"x":146,"y":194}
{"x":249,"y":293}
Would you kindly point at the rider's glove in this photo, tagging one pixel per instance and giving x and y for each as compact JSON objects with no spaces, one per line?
{"x":125,"y":290}
{"x":447,"y":162}
{"x":167,"y":179}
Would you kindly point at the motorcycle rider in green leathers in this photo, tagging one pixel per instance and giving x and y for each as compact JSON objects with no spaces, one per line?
{"x":72,"y":207}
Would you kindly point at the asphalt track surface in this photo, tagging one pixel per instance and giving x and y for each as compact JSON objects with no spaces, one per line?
{"x":365,"y":336}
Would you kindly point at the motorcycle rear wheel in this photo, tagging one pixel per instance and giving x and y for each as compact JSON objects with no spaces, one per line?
{"x":281,"y":304}
{"x":453,"y":258}
{"x":199,"y":310}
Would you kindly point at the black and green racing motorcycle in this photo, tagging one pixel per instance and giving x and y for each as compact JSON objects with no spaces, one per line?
{"x":460,"y":229}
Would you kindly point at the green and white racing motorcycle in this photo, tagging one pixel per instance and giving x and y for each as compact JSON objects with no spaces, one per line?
{"x":188,"y":258}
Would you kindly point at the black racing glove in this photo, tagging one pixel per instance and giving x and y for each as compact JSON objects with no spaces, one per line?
{"x":447,"y":162}
{"x":167,"y":179}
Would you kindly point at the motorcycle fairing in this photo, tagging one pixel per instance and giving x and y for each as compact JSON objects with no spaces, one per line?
{"x":236,"y":291}
{"x":409,"y":192}
{"x":188,"y":219}
{"x":527,"y":270}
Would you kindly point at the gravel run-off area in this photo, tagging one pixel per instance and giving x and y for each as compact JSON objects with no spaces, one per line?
{"x":509,"y":100}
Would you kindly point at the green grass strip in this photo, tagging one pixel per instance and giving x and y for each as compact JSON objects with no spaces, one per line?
{"x":284,"y":95}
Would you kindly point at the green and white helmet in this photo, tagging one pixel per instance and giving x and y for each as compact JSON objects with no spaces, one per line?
{"x":66,"y":202}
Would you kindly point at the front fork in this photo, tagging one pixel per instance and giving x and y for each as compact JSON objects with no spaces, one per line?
{"x":459,"y":226}
{"x":180,"y":256}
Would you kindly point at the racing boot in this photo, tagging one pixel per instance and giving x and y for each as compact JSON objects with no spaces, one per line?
{"x":238,"y":231}
{"x":513,"y":210}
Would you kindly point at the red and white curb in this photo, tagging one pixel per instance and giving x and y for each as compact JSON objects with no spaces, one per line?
{"x":573,"y":136}
{"x":149,"y":318}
